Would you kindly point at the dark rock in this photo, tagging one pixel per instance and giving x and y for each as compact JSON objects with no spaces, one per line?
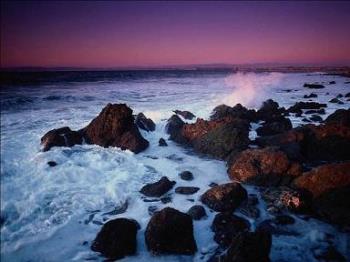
{"x":249,"y":246}
{"x":174,"y":127}
{"x":270,"y":227}
{"x":306,"y":120}
{"x":52,"y":163}
{"x":249,"y":208}
{"x":315,"y":111}
{"x":197,"y":212}
{"x":330,"y":254}
{"x":269,"y":110}
{"x":335,"y":100}
{"x":186,"y":175}
{"x":226,"y":226}
{"x":158,"y":188}
{"x":115,"y":126}
{"x":226,"y":197}
{"x":284,"y":220}
{"x":61,"y":137}
{"x":162,"y":142}
{"x":118,"y":210}
{"x":116,"y":239}
{"x":313,"y":86}
{"x":152,"y":210}
{"x":145,"y":123}
{"x":166,"y":199}
{"x":185,"y":114}
{"x":331,"y":82}
{"x":264,"y":167}
{"x":312,"y":95}
{"x":186,"y":190}
{"x":170,"y":232}
{"x":305,"y":105}
{"x":316,"y":118}
{"x":238,"y":111}
{"x":339,"y":96}
{"x":278,"y":125}
{"x":340,"y":116}
{"x":347,"y":94}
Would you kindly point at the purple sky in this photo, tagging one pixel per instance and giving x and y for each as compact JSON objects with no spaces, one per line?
{"x":118,"y":34}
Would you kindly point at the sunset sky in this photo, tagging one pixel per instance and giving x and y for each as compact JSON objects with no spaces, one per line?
{"x":124,"y":34}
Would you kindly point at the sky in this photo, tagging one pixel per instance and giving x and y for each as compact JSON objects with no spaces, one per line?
{"x":126,"y":34}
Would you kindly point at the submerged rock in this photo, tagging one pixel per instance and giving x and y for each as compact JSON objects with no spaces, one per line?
{"x":170,"y":232}
{"x":116,"y":239}
{"x":226,"y":197}
{"x":162,"y":142}
{"x":145,"y":123}
{"x":186,"y":190}
{"x":52,"y":163}
{"x":313,"y":86}
{"x":61,"y":137}
{"x":305,"y":105}
{"x":186,"y":175}
{"x":312,"y":95}
{"x":185,"y":114}
{"x":158,"y":188}
{"x":197,"y":212}
{"x":336,"y":101}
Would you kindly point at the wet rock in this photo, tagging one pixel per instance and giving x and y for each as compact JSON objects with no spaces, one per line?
{"x":226,"y":226}
{"x":166,"y":200}
{"x":116,"y":239}
{"x":197,"y":212}
{"x":270,"y":227}
{"x":331,"y":82}
{"x":305,"y":105}
{"x":186,"y":190}
{"x":315,"y":111}
{"x":249,"y":208}
{"x":238,"y":111}
{"x":275,"y":126}
{"x":249,"y":246}
{"x":313,"y":86}
{"x":340,"y":116}
{"x":158,"y":188}
{"x":162,"y":142}
{"x":115,"y":126}
{"x":306,"y":120}
{"x":118,"y":210}
{"x":347,"y":94}
{"x":213,"y":184}
{"x":335,"y":101}
{"x":316,"y":118}
{"x":279,"y":199}
{"x":52,"y":163}
{"x":269,"y":110}
{"x":264,"y":167}
{"x":329,"y":254}
{"x":145,"y":123}
{"x":312,"y":95}
{"x":61,"y":137}
{"x":284,"y":220}
{"x":339,"y":96}
{"x":174,"y":127}
{"x":226,"y":197}
{"x":186,"y":175}
{"x":170,"y":232}
{"x":152,"y":210}
{"x":185,"y":114}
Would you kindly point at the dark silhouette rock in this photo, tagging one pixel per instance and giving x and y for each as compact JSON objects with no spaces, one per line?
{"x":52,"y":163}
{"x":170,"y":232}
{"x":312,"y":95}
{"x":226,"y":226}
{"x":305,"y":105}
{"x":61,"y":137}
{"x":174,"y":128}
{"x":158,"y":188}
{"x":162,"y":142}
{"x":186,"y":190}
{"x":145,"y":123}
{"x":226,"y":197}
{"x":340,"y":116}
{"x":275,"y":126}
{"x":313,"y":86}
{"x":331,"y":82}
{"x":269,"y":111}
{"x":335,"y":101}
{"x":238,"y":111}
{"x":116,"y":239}
{"x":186,"y":175}
{"x":315,"y":111}
{"x":264,"y":167}
{"x":120,"y":209}
{"x":316,"y":118}
{"x":197,"y":212}
{"x":115,"y":126}
{"x":185,"y":114}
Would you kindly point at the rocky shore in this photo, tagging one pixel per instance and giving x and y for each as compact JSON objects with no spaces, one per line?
{"x":302,"y":171}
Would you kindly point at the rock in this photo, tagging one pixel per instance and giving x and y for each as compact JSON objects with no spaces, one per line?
{"x":186,"y":190}
{"x":315,"y":111}
{"x":119,"y":209}
{"x":335,"y":100}
{"x":63,"y":136}
{"x":276,"y":126}
{"x":264,"y":167}
{"x":52,"y":163}
{"x":284,"y":220}
{"x":158,"y":188}
{"x":347,"y":94}
{"x":340,"y":116}
{"x":226,"y":197}
{"x":306,"y":120}
{"x":279,"y":199}
{"x":249,"y":246}
{"x":174,"y":127}
{"x":312,"y":95}
{"x":116,"y":239}
{"x":226,"y":226}
{"x":185,"y":114}
{"x":305,"y":105}
{"x":324,"y":178}
{"x":331,"y":82}
{"x":269,"y":110}
{"x":313,"y":86}
{"x":197,"y":212}
{"x":145,"y":123}
{"x":162,"y":142}
{"x":272,"y":228}
{"x":186,"y":175}
{"x":152,"y":210}
{"x":115,"y":126}
{"x":339,"y":96}
{"x":330,"y":254}
{"x":316,"y":118}
{"x":238,"y":111}
{"x":249,"y":208}
{"x":170,"y":232}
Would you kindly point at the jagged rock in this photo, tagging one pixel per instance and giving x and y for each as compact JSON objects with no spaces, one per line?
{"x":226,"y":197}
{"x":238,"y":111}
{"x":264,"y":167}
{"x":162,"y":142}
{"x":274,"y":126}
{"x":186,"y":190}
{"x":63,"y":136}
{"x":116,"y":239}
{"x":115,"y":126}
{"x":145,"y":123}
{"x":185,"y":114}
{"x":186,"y":175}
{"x":269,"y":111}
{"x":158,"y":188}
{"x":174,"y":127}
{"x":170,"y":232}
{"x":197,"y":212}
{"x":340,"y":116}
{"x":313,"y":86}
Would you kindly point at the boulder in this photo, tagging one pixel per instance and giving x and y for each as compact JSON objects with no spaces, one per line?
{"x":274,"y":126}
{"x":186,"y":175}
{"x":174,"y":127}
{"x":269,"y":110}
{"x":116,"y":239}
{"x":158,"y":188}
{"x":336,"y":101}
{"x":170,"y":232}
{"x":305,"y":105}
{"x":264,"y":167}
{"x":316,"y":118}
{"x":197,"y":212}
{"x":162,"y":142}
{"x":185,"y":114}
{"x":145,"y":123}
{"x":340,"y":116}
{"x":226,"y":197}
{"x":186,"y":190}
{"x":313,"y":86}
{"x":226,"y":226}
{"x":115,"y":126}
{"x":63,"y":136}
{"x":238,"y":111}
